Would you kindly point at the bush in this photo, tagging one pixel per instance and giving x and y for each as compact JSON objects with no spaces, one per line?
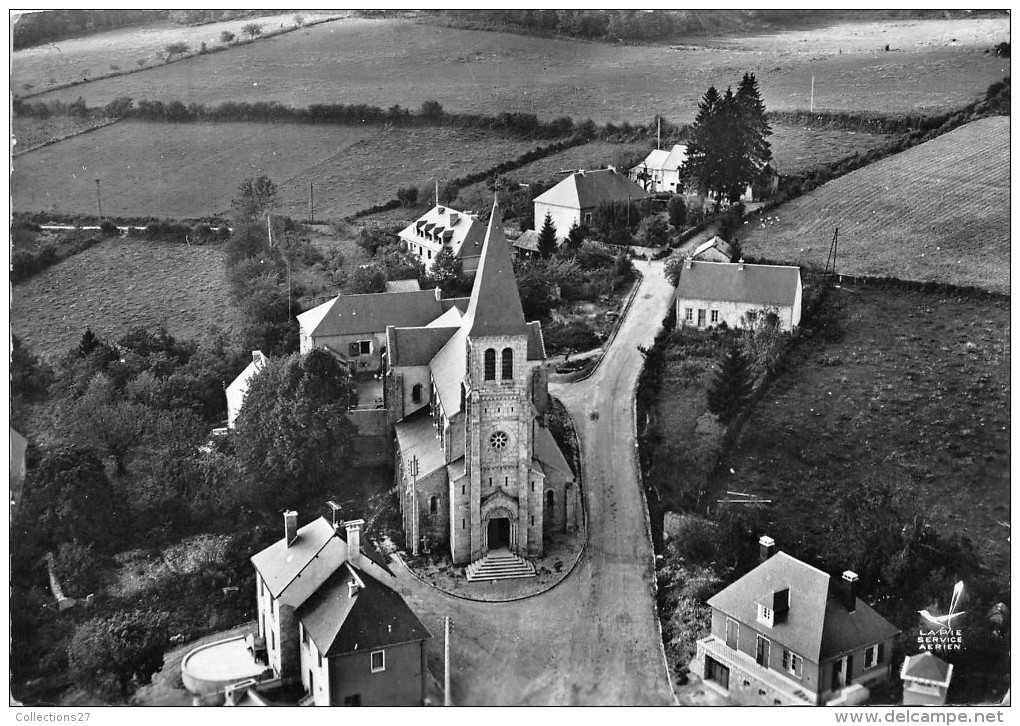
{"x":108,"y":228}
{"x":576,"y":335}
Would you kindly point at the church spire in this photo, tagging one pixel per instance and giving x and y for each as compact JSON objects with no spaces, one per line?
{"x":495,"y":306}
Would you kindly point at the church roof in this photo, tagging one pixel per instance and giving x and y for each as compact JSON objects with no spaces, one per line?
{"x":495,"y":307}
{"x":536,"y":343}
{"x":548,"y":451}
{"x":416,"y":437}
{"x":449,"y":368}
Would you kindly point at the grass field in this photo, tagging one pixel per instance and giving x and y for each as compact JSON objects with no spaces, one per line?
{"x":30,"y":132}
{"x":76,"y":59}
{"x":117,"y":285}
{"x":383,"y":62}
{"x":193,"y":170}
{"x":937,"y":212}
{"x":915,"y":392}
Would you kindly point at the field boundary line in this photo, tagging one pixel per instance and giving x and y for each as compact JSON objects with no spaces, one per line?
{"x":50,"y":142}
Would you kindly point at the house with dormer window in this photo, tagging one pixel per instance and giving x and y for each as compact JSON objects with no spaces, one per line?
{"x":787,"y":634}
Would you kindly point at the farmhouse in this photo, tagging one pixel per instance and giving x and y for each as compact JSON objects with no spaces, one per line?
{"x":239,"y":386}
{"x":328,"y":619}
{"x":788,"y":634}
{"x":660,"y":170}
{"x":444,"y":227}
{"x":713,"y":250}
{"x":574,"y":200}
{"x":713,"y":293}
{"x":478,"y":470}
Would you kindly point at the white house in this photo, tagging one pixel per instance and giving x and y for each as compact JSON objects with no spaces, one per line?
{"x":660,"y":170}
{"x":239,"y":386}
{"x":713,"y":250}
{"x":575,"y":199}
{"x":712,"y":293}
{"x":444,"y":227}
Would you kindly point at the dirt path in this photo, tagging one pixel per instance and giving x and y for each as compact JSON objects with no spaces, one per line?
{"x":594,"y":639}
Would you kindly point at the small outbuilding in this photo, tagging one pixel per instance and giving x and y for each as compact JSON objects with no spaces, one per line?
{"x":926,"y":679}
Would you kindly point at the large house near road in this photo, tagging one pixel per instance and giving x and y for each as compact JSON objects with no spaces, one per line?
{"x":788,"y":634}
{"x":328,"y":615}
{"x":660,"y":170}
{"x":478,"y":469}
{"x":712,"y":293}
{"x":575,"y":199}
{"x":444,"y":227}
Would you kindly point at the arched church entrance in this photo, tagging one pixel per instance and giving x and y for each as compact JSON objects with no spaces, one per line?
{"x":500,"y":530}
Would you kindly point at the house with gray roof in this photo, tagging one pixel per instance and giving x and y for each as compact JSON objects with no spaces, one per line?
{"x":735,"y":293}
{"x":660,"y":170}
{"x":575,"y":199}
{"x":328,"y":616}
{"x":787,"y":633}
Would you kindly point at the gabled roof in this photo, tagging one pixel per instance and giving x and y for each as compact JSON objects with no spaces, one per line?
{"x":461,"y":231}
{"x":293,"y":573}
{"x":817,"y":625}
{"x":661,"y":159}
{"x":418,"y":346}
{"x":448,"y":370}
{"x":927,"y":668}
{"x":241,"y":383}
{"x":738,"y":282}
{"x":527,"y":241}
{"x":495,"y":307}
{"x":718,"y":242}
{"x":587,"y":189}
{"x":371,"y":313}
{"x":373,"y":617}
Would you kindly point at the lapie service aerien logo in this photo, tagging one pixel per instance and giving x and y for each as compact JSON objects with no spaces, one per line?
{"x":940,"y":632}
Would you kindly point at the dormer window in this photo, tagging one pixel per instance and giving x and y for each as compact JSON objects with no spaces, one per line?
{"x":766,"y":616}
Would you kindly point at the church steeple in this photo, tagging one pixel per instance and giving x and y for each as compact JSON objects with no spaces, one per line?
{"x":495,"y":306}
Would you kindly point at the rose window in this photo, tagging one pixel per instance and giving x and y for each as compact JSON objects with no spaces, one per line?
{"x":499,"y":440}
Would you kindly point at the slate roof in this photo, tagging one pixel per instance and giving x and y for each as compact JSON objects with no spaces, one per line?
{"x":536,"y":343}
{"x":727,"y":282}
{"x":584,"y":190}
{"x":371,"y":313}
{"x":448,"y":370}
{"x":417,"y":346}
{"x":926,"y":668}
{"x":462,"y":232}
{"x":547,"y":451}
{"x":817,"y":626}
{"x":416,"y":436}
{"x":495,"y":307}
{"x":293,"y":573}
{"x":527,"y":241}
{"x":375,"y":617}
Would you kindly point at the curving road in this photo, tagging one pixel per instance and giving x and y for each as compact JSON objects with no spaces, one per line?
{"x":594,"y":639}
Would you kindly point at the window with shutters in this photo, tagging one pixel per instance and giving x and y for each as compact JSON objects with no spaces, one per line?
{"x":792,"y":663}
{"x":873,"y":656}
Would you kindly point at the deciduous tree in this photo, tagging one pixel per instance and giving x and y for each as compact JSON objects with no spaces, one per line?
{"x":107,"y":655}
{"x":252,"y":30}
{"x":446,"y":269}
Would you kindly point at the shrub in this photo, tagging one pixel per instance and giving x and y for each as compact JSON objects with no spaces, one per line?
{"x":576,"y":335}
{"x":108,"y":228}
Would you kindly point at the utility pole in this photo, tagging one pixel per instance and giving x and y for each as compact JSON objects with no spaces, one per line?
{"x":447,"y":700}
{"x":658,"y":132}
{"x":311,"y":202}
{"x":812,"y":94}
{"x":437,"y":192}
{"x":99,"y":200}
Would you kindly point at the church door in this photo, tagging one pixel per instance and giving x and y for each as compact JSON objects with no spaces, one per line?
{"x":499,"y":533}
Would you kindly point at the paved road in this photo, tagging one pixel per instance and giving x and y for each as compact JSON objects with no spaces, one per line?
{"x":594,"y":639}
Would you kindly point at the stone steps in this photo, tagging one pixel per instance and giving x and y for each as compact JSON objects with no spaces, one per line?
{"x":499,"y":565}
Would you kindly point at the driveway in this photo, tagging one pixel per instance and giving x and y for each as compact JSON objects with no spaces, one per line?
{"x":594,"y":639}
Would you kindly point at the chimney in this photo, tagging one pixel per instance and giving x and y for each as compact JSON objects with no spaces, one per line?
{"x":439,"y":293}
{"x":766,"y":547}
{"x":580,"y":172}
{"x":352,"y":589}
{"x":290,"y":526}
{"x":849,"y":589}
{"x":257,"y":358}
{"x":335,"y":509}
{"x":688,"y":263}
{"x":740,"y":265}
{"x":354,"y":541}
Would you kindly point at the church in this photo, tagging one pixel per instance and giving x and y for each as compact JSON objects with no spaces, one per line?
{"x":477,"y":467}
